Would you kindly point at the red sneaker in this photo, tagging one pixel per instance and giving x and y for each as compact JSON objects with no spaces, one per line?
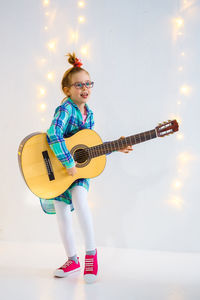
{"x":91,"y":268}
{"x":69,"y":267}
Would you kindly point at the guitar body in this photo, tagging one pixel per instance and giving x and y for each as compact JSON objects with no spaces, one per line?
{"x":45,"y":175}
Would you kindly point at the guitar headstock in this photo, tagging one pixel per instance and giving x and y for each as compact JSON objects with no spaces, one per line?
{"x":167,"y":128}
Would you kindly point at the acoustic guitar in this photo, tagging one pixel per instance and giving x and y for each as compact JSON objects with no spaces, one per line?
{"x":45,"y":175}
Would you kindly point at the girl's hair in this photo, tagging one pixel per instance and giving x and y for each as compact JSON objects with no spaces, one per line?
{"x":66,"y":80}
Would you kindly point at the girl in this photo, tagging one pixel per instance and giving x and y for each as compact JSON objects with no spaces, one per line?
{"x":71,"y":116}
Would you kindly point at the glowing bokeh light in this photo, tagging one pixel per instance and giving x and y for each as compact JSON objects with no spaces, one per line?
{"x":81,"y":3}
{"x":46,"y":2}
{"x":176,"y":201}
{"x":81,"y":19}
{"x":185,"y":89}
{"x":84,"y":50}
{"x":180,"y":68}
{"x":50,"y":76}
{"x":52,"y":45}
{"x":179,"y":22}
{"x":185,"y":157}
{"x":74,"y":36}
{"x":42,"y":106}
{"x":42,"y":91}
{"x":180,"y":33}
{"x":177,"y":184}
{"x":180,"y":136}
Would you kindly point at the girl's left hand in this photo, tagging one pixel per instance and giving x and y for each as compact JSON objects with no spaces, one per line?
{"x":126,"y":149}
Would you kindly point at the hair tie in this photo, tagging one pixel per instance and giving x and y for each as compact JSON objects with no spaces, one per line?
{"x":77,"y":63}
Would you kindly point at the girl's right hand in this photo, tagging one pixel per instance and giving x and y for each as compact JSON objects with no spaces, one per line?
{"x":72,"y":171}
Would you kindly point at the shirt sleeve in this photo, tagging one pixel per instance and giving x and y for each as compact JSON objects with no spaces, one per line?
{"x":55,"y":137}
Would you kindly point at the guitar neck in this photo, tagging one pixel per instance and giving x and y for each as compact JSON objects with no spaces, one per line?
{"x":109,"y":147}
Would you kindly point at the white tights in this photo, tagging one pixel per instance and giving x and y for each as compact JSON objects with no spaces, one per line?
{"x":64,"y":218}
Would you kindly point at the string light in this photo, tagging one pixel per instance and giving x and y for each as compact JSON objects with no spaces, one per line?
{"x":42,"y":106}
{"x":180,"y":69}
{"x":74,"y":36}
{"x":46,"y":2}
{"x":179,"y":22}
{"x":81,"y":19}
{"x":52,"y":45}
{"x":176,"y":201}
{"x":84,"y":50}
{"x":50,"y":76}
{"x":42,"y":91}
{"x":177,"y":184}
{"x":45,"y":28}
{"x":81,"y":3}
{"x":182,"y":53}
{"x":185,"y":89}
{"x":180,"y":136}
{"x":185,"y":157}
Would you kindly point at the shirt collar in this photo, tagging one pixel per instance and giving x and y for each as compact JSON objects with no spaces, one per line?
{"x":72,"y":102}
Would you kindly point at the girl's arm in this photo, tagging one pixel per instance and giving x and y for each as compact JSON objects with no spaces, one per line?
{"x":55,"y":137}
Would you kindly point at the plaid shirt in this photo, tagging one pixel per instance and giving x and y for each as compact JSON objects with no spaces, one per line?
{"x":67,"y":121}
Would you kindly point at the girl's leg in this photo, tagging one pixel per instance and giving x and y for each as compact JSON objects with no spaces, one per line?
{"x":80,"y":203}
{"x":64,"y":218}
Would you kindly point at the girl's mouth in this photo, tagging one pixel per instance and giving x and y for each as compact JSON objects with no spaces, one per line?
{"x":84,"y":95}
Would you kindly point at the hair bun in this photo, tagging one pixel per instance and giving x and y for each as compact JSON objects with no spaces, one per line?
{"x":73,"y":60}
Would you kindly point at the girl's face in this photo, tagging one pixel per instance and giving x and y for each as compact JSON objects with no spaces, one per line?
{"x":78,"y":91}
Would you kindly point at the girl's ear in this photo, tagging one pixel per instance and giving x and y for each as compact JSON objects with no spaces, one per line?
{"x":66,"y":91}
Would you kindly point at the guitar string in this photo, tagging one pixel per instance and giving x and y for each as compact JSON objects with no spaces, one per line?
{"x":99,"y":149}
{"x":102,"y":147}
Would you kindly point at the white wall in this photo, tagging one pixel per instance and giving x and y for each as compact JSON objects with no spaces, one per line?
{"x":134,"y":52}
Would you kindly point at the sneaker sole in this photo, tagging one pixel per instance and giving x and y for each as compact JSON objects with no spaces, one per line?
{"x":90,"y":278}
{"x":61,"y":273}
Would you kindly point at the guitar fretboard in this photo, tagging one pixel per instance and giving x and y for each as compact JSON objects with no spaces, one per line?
{"x":116,"y":145}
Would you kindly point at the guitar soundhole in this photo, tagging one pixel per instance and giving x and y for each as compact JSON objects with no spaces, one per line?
{"x":80,"y":155}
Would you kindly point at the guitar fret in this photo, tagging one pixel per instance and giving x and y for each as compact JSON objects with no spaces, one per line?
{"x":109,"y":147}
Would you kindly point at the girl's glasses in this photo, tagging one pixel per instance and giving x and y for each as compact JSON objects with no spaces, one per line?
{"x":79,"y":85}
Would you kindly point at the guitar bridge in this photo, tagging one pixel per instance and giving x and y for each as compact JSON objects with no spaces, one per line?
{"x":48,"y":165}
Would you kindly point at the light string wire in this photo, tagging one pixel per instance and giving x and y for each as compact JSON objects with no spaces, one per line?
{"x":179,"y":28}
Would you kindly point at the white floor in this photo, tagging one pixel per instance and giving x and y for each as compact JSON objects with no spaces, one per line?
{"x":26,"y":273}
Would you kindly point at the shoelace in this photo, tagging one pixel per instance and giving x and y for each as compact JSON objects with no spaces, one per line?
{"x":89,"y":264}
{"x":68,"y":263}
